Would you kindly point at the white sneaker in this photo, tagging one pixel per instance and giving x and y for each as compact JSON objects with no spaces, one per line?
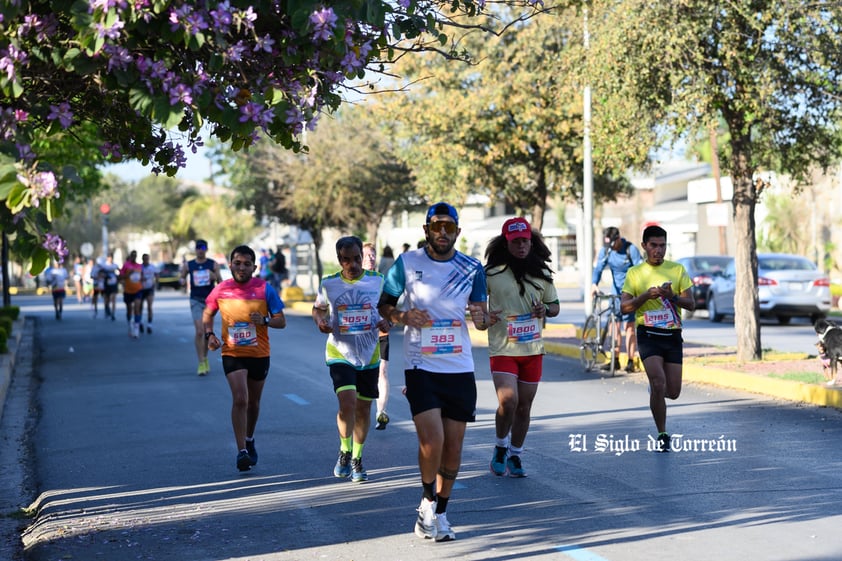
{"x":444,"y":533}
{"x":425,"y":525}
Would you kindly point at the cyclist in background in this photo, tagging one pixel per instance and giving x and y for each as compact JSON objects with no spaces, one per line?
{"x":619,"y":255}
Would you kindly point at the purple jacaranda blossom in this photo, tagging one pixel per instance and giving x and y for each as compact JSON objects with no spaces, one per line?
{"x":180,"y":94}
{"x":105,"y":5}
{"x":323,"y":21}
{"x":112,"y":32}
{"x":250,"y":112}
{"x":118,"y":57}
{"x":351,"y":62}
{"x":195,"y":144}
{"x":310,"y":99}
{"x":235,"y":51}
{"x":11,"y":56}
{"x":25,"y":152}
{"x":56,"y":245}
{"x":61,"y":112}
{"x":21,"y":115}
{"x":264,"y":43}
{"x":30,"y":23}
{"x":244,"y":19}
{"x":44,"y":185}
{"x":222,"y":16}
{"x":295,"y":117}
{"x":404,"y":3}
{"x":110,"y":149}
{"x":7,"y":65}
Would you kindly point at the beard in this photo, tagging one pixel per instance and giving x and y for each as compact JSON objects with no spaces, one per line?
{"x":435,"y":248}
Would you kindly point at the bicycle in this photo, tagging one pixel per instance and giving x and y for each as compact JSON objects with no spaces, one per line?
{"x":600,"y":332}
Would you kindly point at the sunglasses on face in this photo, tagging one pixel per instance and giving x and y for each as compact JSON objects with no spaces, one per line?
{"x":448,"y":227}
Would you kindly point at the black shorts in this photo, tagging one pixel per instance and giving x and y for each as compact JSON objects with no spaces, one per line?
{"x":129,"y":298}
{"x":455,"y":394}
{"x":364,"y":382}
{"x":666,"y":343}
{"x":146,"y":293}
{"x":258,"y":368}
{"x":384,"y":347}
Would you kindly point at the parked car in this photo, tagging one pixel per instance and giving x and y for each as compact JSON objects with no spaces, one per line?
{"x":169,"y":274}
{"x":787,"y":286}
{"x":702,"y":270}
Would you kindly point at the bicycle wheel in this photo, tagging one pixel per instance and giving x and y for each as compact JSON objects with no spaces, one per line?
{"x":589,"y":345}
{"x":609,"y":346}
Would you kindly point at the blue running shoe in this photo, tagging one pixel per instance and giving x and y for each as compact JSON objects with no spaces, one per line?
{"x":252,"y":451}
{"x":358,"y":473}
{"x":498,"y":461}
{"x":343,"y":465}
{"x":514,"y":466}
{"x":243,"y":461}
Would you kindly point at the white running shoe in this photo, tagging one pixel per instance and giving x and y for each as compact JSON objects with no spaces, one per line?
{"x":425,"y":525}
{"x":444,"y":533}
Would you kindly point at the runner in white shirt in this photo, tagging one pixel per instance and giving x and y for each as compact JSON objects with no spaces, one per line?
{"x":57,"y":281}
{"x":346,"y":309}
{"x":439,"y":284}
{"x":148,"y":279}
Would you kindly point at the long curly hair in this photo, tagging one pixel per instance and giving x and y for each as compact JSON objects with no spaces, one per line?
{"x":534,"y":265}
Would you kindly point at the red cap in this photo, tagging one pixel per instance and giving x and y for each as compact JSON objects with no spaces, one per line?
{"x":517,"y":228}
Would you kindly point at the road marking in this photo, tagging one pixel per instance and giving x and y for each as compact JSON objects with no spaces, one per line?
{"x":579,"y":553}
{"x":296,"y":399}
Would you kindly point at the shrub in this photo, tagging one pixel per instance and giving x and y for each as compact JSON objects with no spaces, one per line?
{"x":10,"y":311}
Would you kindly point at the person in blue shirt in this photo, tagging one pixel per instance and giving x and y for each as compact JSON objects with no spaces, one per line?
{"x":618,"y":255}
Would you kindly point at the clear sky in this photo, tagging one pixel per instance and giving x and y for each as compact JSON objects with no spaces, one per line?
{"x":198,"y":168}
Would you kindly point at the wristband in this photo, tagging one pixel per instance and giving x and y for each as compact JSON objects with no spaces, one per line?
{"x":266,"y":320}
{"x":208,"y":335}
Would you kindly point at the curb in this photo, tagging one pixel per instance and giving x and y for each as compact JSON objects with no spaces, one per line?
{"x":7,"y":361}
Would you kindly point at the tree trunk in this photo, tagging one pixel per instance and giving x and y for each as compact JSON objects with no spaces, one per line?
{"x":746,"y":306}
{"x":540,"y":205}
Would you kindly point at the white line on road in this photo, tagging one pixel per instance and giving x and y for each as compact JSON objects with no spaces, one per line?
{"x":296,"y":399}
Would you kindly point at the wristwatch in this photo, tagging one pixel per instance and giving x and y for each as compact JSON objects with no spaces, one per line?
{"x":266,"y":320}
{"x":208,"y":335}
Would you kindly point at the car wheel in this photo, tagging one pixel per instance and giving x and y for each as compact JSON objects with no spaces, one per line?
{"x":784,"y":320}
{"x":713,"y":315}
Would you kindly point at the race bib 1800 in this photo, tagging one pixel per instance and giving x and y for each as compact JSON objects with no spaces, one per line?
{"x":440,"y":337}
{"x":523,"y":329}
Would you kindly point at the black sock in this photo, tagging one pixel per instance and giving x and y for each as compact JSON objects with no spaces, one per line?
{"x":441,"y":504}
{"x":429,"y":490}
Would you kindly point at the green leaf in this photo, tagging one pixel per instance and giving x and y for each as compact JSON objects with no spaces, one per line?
{"x":40,"y":260}
{"x":18,"y":198}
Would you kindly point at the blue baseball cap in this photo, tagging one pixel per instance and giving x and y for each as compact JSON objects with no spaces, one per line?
{"x":443,"y":209}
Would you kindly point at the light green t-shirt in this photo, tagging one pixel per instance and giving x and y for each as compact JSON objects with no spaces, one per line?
{"x":657,"y":312}
{"x":518,"y":334}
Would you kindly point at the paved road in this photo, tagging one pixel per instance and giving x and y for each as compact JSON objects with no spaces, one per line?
{"x":133,"y":458}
